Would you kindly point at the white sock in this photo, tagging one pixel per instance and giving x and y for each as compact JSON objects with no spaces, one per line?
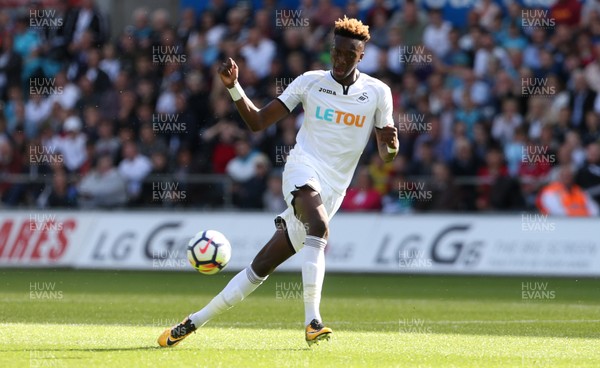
{"x":240,"y":286}
{"x":313,"y":272}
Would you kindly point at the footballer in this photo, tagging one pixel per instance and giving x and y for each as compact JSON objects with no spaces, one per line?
{"x":341,"y":107}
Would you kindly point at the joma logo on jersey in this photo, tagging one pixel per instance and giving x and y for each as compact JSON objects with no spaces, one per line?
{"x":340,"y":117}
{"x":325,"y":90}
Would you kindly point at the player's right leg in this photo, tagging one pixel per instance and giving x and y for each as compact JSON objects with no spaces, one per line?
{"x":275,"y":252}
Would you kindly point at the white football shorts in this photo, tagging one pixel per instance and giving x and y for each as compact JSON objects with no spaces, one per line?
{"x":297,"y":175}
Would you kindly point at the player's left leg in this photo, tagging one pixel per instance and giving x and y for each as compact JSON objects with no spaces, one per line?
{"x":311,"y":211}
{"x":275,"y":252}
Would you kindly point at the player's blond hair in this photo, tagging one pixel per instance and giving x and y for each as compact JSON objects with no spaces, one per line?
{"x":352,"y":28}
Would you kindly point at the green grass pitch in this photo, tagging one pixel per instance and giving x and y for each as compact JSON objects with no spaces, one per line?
{"x":66,"y":318}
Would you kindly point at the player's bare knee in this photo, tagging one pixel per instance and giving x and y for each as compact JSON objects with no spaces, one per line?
{"x":318,"y":226}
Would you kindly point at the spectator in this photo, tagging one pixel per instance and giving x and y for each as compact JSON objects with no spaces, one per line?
{"x":436,"y":34}
{"x":150,"y":143}
{"x":592,"y":128}
{"x":488,"y":175}
{"x":379,"y":172}
{"x":362,"y":196}
{"x":71,"y":145}
{"x":273,"y":201}
{"x":69,"y":92}
{"x":440,"y":192}
{"x":248,"y":194}
{"x":581,"y":100}
{"x":536,"y":163}
{"x":10,"y":163}
{"x":11,"y":64}
{"x":141,"y":30}
{"x":506,"y":123}
{"x":394,"y":201}
{"x":465,"y":164}
{"x":588,"y":177}
{"x":469,"y":114}
{"x":110,"y":64}
{"x":219,"y":143}
{"x":515,"y":150}
{"x":565,"y":198}
{"x":37,"y":110}
{"x":566,"y":12}
{"x":158,"y":189}
{"x":243,"y":166}
{"x":103,"y":187}
{"x":107,"y":143}
{"x":133,"y":169}
{"x":86,"y":18}
{"x":60,"y":194}
{"x":486,"y":11}
{"x":259,"y":52}
{"x":422,"y":164}
{"x":411,"y":23}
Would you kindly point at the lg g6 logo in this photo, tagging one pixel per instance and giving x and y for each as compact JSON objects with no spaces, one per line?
{"x":452,"y":246}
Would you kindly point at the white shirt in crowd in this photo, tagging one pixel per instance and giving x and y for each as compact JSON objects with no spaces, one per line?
{"x":259,"y":58}
{"x":72,"y":149}
{"x":67,"y":98}
{"x":134,"y":171}
{"x":242,"y":169}
{"x":436,"y":38}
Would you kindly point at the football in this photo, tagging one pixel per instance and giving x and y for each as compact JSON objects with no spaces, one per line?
{"x":209,"y":252}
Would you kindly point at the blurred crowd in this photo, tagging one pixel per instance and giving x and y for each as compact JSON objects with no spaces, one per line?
{"x":501,"y":114}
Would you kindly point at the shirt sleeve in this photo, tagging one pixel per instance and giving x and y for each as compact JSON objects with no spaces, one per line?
{"x":383,"y":114}
{"x":294,"y":93}
{"x":551,"y":203}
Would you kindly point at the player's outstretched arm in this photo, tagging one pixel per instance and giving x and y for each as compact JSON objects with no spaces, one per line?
{"x":387,"y":142}
{"x":256,"y":119}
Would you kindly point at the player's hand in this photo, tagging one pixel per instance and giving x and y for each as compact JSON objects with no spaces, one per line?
{"x":228,"y":71}
{"x":389,"y":135}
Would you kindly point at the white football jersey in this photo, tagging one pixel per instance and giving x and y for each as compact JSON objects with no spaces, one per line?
{"x":338,"y":121}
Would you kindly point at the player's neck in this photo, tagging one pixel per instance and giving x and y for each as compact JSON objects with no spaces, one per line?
{"x":349,"y":80}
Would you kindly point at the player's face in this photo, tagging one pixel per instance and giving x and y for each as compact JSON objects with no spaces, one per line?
{"x":345,"y":55}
